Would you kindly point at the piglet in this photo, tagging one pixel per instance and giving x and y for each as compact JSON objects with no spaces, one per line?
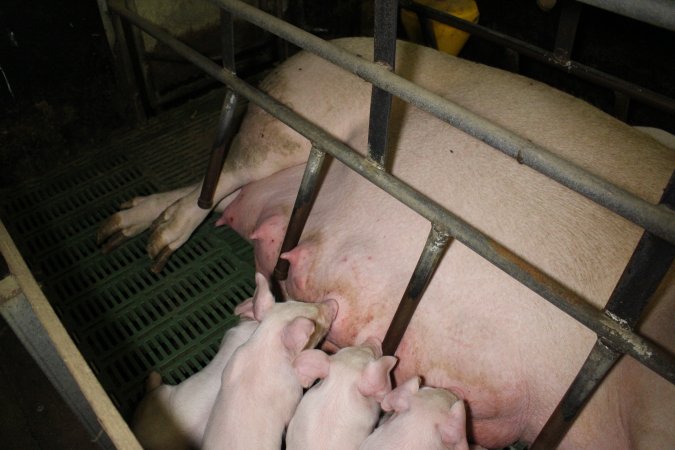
{"x":342,"y":409}
{"x":422,"y":419}
{"x":174,"y":417}
{"x":259,"y":389}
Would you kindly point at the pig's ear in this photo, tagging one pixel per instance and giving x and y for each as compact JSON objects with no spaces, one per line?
{"x":296,"y":334}
{"x":245,"y":309}
{"x":375,"y":345}
{"x":453,"y":427}
{"x":263,"y":300}
{"x":375,"y":381}
{"x":398,"y":400}
{"x":311,"y":365}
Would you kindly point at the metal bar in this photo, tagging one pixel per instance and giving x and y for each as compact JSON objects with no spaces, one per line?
{"x":639,"y":93}
{"x":386,"y":14}
{"x":225,"y":131}
{"x":640,"y":348}
{"x":658,"y":220}
{"x":567,"y":30}
{"x":427,"y":29}
{"x":226,"y":123}
{"x":303,"y":205}
{"x":434,"y":248}
{"x":650,"y":262}
{"x":125,"y":73}
{"x":224,"y":135}
{"x":21,"y":318}
{"x":594,"y":370}
{"x":660,"y":13}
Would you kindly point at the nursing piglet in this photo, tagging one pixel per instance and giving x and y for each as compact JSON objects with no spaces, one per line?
{"x":259,"y":389}
{"x":174,"y":417}
{"x":342,"y":409}
{"x":422,"y":419}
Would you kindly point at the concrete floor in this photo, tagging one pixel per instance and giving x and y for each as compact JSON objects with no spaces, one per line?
{"x":33,"y":414}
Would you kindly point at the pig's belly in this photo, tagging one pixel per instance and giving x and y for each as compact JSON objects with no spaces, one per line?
{"x":496,"y":344}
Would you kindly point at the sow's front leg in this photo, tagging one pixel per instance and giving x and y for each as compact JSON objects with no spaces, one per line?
{"x":262,"y":148}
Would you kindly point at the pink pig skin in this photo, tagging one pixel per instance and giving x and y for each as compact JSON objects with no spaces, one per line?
{"x":174,"y":417}
{"x":259,"y":388}
{"x":422,"y":419}
{"x":341,"y":410}
{"x":507,"y":352}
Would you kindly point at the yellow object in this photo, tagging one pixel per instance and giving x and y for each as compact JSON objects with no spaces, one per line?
{"x":449,"y":39}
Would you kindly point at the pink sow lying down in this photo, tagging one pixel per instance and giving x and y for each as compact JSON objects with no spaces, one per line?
{"x":506,"y":352}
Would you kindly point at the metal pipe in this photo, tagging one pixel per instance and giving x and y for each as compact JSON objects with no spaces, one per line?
{"x":226,"y":123}
{"x":659,"y":220}
{"x":655,"y":12}
{"x":224,"y":134}
{"x":303,"y":205}
{"x":640,"y":348}
{"x":567,"y":30}
{"x":386,"y":15}
{"x":437,"y":243}
{"x":596,"y":367}
{"x":650,"y":261}
{"x":639,"y":93}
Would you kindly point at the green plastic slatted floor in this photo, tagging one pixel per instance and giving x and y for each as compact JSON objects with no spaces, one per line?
{"x":125,"y":319}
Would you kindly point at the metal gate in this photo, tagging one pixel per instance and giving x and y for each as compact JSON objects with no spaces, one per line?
{"x":613,"y":325}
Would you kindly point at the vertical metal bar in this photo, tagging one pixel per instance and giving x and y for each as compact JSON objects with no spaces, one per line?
{"x":124,"y":71}
{"x":567,"y":30}
{"x":427,"y":29}
{"x":303,"y":205}
{"x":434,"y":248}
{"x":386,"y":14}
{"x":150,"y":90}
{"x":621,"y":106}
{"x":643,"y":274}
{"x":226,"y":123}
{"x":597,"y":365}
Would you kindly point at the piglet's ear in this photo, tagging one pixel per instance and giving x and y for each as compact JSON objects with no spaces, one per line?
{"x":398,"y":400}
{"x":311,"y":365}
{"x":263,"y":300}
{"x":453,"y":427}
{"x":245,"y":309}
{"x":296,"y":334}
{"x":375,"y":381}
{"x":153,"y":382}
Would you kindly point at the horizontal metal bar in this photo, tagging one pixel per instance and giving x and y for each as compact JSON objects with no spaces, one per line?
{"x":640,"y":348}
{"x":434,"y":248}
{"x":657,"y":219}
{"x":655,"y":12}
{"x":584,"y":72}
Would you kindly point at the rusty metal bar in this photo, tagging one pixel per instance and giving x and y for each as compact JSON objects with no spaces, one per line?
{"x":626,"y":341}
{"x":303,"y":205}
{"x":567,"y":30}
{"x":434,"y":248}
{"x":386,"y":15}
{"x":639,"y":93}
{"x":644,"y":272}
{"x":597,"y":365}
{"x":658,"y":220}
{"x":226,"y":124}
